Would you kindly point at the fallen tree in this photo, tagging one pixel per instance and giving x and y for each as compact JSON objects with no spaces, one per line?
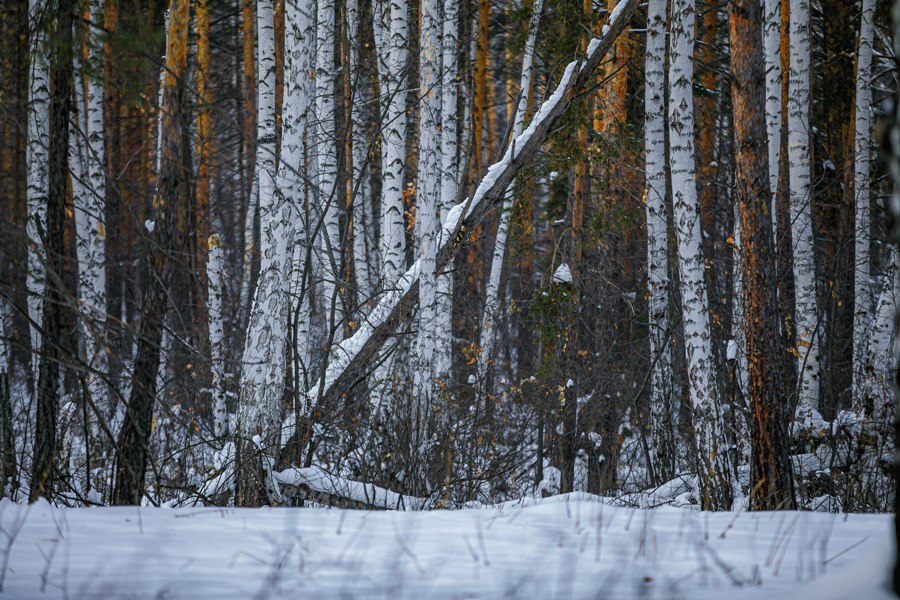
{"x":348,"y":360}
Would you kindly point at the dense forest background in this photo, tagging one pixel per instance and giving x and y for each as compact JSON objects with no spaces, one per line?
{"x":454,"y":250}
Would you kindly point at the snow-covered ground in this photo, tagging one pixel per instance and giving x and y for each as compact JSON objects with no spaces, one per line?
{"x":564,"y":547}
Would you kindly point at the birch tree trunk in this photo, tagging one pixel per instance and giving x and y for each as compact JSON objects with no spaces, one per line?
{"x":806,"y":312}
{"x":250,"y":112}
{"x":37,"y":160}
{"x":770,"y":476}
{"x":491,"y":319}
{"x":216,"y":282}
{"x":428,"y":197}
{"x":879,"y":359}
{"x":863,"y":301}
{"x":662,"y":411}
{"x":449,"y":175}
{"x":392,"y":28}
{"x":772,"y":54}
{"x":263,"y":364}
{"x":90,"y":213}
{"x":713,"y":470}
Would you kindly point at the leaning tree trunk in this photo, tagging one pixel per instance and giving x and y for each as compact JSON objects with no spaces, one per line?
{"x":710,"y":446}
{"x":770,"y":476}
{"x":263,"y":369}
{"x":134,"y":440}
{"x":353,"y":356}
{"x":37,"y":160}
{"x":862,"y":294}
{"x":806,"y":312}
{"x":45,"y":435}
{"x":662,"y":412}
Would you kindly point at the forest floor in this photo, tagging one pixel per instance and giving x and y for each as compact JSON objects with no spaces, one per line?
{"x":563,"y":547}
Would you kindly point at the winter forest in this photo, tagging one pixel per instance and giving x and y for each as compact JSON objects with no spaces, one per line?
{"x":359,"y":256}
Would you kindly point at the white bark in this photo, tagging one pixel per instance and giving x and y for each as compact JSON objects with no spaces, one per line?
{"x":661,"y":410}
{"x":878,"y":369}
{"x":449,"y":174}
{"x":329,"y":204}
{"x":263,"y":364}
{"x":772,"y":49}
{"x":395,"y":57}
{"x":694,"y":300}
{"x":428,"y":195}
{"x":491,"y":319}
{"x":216,"y":282}
{"x":391,"y":24}
{"x":806,"y":320}
{"x":862,"y":293}
{"x":37,"y":159}
{"x":89,"y":195}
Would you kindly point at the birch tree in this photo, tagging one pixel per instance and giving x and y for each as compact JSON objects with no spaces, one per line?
{"x":391,"y":28}
{"x":449,"y":173}
{"x":37,"y":160}
{"x":661,"y":410}
{"x":806,"y":312}
{"x":772,"y":54}
{"x":428,"y":194}
{"x":263,"y":364}
{"x":863,"y":301}
{"x":216,"y":281}
{"x":701,"y":373}
{"x":90,"y":213}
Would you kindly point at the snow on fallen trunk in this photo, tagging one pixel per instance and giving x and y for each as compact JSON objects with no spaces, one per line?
{"x":321,"y":486}
{"x":350,"y":359}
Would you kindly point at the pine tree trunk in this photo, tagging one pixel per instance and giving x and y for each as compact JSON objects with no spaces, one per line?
{"x":328,"y":201}
{"x":43,"y":476}
{"x":770,"y":478}
{"x":131,"y":460}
